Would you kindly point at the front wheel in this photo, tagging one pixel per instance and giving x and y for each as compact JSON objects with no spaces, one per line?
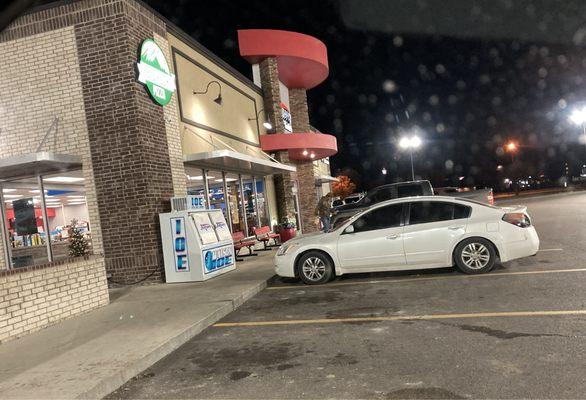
{"x":475,"y":256}
{"x":315,"y":268}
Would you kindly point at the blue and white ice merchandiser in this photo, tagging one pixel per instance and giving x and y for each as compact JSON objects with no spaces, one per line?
{"x":197,"y":245}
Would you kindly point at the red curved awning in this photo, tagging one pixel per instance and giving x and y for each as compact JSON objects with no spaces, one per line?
{"x":302,"y":59}
{"x":301,"y":146}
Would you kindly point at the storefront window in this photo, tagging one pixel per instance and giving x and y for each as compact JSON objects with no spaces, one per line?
{"x":66,"y":211}
{"x":243,"y":209}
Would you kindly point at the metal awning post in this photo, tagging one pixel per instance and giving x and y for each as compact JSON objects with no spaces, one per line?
{"x":243,"y":204}
{"x":254,"y":191}
{"x":267,"y":202}
{"x":4,"y":232}
{"x":206,"y":188}
{"x":45,"y":219}
{"x":227,"y":201}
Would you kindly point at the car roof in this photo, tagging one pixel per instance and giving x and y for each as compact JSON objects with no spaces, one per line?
{"x":399,"y":183}
{"x":424,"y":198}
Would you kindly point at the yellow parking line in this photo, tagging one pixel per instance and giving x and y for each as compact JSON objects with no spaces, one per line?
{"x":436,"y":278}
{"x":403,"y":318}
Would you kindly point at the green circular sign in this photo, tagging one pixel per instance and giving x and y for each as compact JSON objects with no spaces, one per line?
{"x":153,"y":72}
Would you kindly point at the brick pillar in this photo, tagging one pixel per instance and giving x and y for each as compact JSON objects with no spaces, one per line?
{"x":269,"y":76}
{"x":306,"y":174}
{"x":269,"y":80}
{"x":128,"y":142}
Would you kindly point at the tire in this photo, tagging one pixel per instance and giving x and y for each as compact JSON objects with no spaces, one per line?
{"x":475,"y":256}
{"x":315,"y":268}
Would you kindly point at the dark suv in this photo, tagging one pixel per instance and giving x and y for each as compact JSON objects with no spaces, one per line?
{"x":381,"y":193}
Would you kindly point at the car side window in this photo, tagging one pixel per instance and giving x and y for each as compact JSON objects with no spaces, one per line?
{"x":380,"y":218}
{"x":461,"y":212}
{"x":422,"y":212}
{"x":383,"y":194}
{"x":409,"y":190}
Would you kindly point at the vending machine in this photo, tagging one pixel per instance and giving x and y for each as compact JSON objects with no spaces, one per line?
{"x":197,"y":245}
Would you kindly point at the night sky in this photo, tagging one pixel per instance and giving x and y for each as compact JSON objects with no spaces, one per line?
{"x":466,"y":93}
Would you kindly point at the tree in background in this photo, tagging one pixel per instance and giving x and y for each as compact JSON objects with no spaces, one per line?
{"x":344,"y":187}
{"x":78,"y":246}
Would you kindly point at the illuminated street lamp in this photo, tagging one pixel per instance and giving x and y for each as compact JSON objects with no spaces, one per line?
{"x":384,"y":171}
{"x":512,"y":148}
{"x":410,"y":143}
{"x":578,"y":117}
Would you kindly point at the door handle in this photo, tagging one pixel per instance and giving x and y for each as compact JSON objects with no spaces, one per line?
{"x":455,"y":228}
{"x":392,"y":237}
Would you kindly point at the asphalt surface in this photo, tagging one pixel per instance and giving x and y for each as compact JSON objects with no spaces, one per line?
{"x":396,"y":335}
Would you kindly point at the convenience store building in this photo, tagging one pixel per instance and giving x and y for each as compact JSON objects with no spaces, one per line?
{"x":107,"y":111}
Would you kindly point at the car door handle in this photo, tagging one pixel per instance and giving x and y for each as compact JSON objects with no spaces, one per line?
{"x":392,"y":237}
{"x":456,"y":228}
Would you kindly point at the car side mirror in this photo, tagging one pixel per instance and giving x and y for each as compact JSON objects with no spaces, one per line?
{"x":349,"y":229}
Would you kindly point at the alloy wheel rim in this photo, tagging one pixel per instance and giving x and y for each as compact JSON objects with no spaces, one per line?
{"x":475,"y":256}
{"x":314,"y":268}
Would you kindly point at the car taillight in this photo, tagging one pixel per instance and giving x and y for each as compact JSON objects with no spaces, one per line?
{"x":490,"y":198}
{"x":518,"y":219}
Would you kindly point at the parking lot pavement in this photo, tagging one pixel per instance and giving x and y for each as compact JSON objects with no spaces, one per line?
{"x":517,"y":332}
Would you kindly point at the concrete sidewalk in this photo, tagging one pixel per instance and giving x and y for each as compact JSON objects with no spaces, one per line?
{"x":91,"y":355}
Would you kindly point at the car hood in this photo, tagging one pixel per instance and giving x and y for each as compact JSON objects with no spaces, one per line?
{"x":313,"y":237}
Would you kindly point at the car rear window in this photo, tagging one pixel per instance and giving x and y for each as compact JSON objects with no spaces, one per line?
{"x":409,"y":190}
{"x":461,"y":212}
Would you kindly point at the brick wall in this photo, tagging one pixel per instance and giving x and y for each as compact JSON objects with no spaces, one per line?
{"x":306,"y":174}
{"x":128,"y":140}
{"x":36,"y":297}
{"x":269,"y":80}
{"x":40,"y":82}
{"x":284,"y":183}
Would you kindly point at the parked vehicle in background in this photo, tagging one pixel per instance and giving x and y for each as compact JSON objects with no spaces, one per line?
{"x":381,"y":193}
{"x":412,"y":233}
{"x":482,"y":195}
{"x":353,"y":198}
{"x":405,"y":189}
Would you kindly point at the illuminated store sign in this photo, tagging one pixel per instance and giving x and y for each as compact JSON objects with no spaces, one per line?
{"x":286,"y":115}
{"x":153,"y":72}
{"x":179,"y":244}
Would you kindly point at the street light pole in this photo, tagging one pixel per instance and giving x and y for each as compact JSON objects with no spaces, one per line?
{"x":412,"y":169}
{"x":410,"y":143}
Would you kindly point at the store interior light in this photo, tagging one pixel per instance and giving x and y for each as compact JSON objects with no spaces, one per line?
{"x":64,"y":179}
{"x":227,"y":180}
{"x":305,"y":152}
{"x":37,"y":191}
{"x":8,"y":190}
{"x":199,"y":178}
{"x":12,"y":196}
{"x":312,"y":155}
{"x":76,"y":197}
{"x":267,"y":125}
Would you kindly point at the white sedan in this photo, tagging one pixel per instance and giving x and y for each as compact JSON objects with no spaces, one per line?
{"x":412,"y":233}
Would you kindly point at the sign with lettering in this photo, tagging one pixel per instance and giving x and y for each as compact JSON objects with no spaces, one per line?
{"x":178,"y":235}
{"x":154,"y":73}
{"x":218,"y":258}
{"x":286,"y":115}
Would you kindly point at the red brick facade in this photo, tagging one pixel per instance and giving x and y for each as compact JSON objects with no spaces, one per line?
{"x":305,"y":178}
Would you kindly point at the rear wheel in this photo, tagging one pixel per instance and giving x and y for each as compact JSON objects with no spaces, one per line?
{"x":475,"y":256}
{"x":315,"y":268}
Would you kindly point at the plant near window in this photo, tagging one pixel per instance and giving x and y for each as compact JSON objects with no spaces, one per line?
{"x":78,"y":247}
{"x":287,"y":224}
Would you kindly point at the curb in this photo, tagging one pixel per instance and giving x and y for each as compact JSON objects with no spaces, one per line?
{"x":520,"y":199}
{"x":116,"y":380}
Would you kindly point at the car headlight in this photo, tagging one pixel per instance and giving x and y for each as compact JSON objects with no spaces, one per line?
{"x":286,"y":248}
